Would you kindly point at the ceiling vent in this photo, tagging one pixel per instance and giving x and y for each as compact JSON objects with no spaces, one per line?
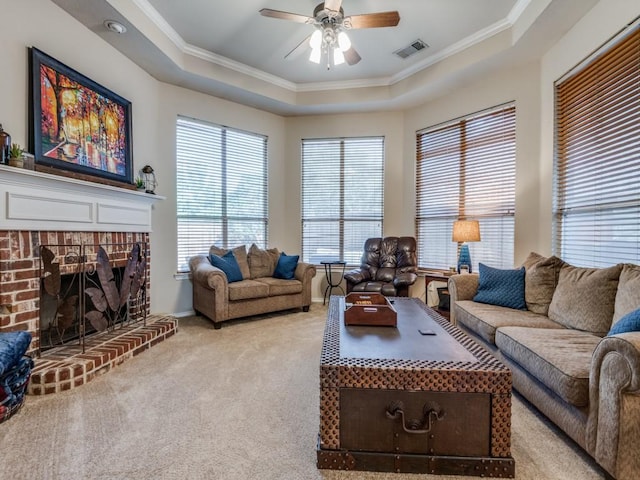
{"x":409,"y":50}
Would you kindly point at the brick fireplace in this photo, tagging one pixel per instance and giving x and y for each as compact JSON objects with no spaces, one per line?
{"x":41,"y":209}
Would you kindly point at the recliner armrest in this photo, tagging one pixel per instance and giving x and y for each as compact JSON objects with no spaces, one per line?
{"x":357,"y":275}
{"x":404,"y":279}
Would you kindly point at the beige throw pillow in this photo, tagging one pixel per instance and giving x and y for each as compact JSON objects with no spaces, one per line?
{"x":262,"y":263}
{"x":628,"y":296}
{"x":541,"y":279}
{"x":532,"y":259}
{"x":240,"y":253}
{"x":584,"y":298}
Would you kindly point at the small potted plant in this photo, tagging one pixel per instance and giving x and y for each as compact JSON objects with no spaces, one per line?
{"x":15,"y":156}
{"x":139,"y":183}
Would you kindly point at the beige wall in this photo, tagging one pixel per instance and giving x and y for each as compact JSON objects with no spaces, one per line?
{"x":155,"y":106}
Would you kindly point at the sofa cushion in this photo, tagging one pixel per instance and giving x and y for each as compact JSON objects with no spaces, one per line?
{"x":501,"y":287}
{"x":629,"y":323}
{"x":559,"y":358}
{"x":628,"y":294}
{"x":248,"y":289}
{"x":279,"y":286}
{"x":540,"y":281}
{"x":286,"y":266}
{"x":262,"y":263}
{"x":584,"y":298}
{"x":228,"y":264}
{"x":484,"y":319}
{"x":239,"y":252}
{"x":532,"y":259}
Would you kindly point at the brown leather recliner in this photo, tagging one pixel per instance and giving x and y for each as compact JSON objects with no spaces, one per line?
{"x":388,"y":267}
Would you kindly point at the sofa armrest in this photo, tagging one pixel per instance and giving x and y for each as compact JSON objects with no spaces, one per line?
{"x":614,"y":405}
{"x":210,"y":292}
{"x":461,"y":287}
{"x":305,"y":273}
{"x":205,"y":274}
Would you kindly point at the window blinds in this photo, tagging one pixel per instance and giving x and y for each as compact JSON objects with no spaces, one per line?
{"x":342,"y":197}
{"x":597,"y":159}
{"x":221,"y":184}
{"x":465,"y":169}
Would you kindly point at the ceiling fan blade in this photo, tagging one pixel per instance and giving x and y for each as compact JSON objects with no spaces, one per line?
{"x":333,"y":5}
{"x":294,"y":17}
{"x":295,"y":51}
{"x":373,"y":20}
{"x":351,"y":56}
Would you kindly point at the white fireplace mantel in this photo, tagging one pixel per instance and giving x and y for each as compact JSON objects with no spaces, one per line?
{"x":40,"y":201}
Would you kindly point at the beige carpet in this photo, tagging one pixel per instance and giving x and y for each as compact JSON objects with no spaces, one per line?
{"x":236,"y":403}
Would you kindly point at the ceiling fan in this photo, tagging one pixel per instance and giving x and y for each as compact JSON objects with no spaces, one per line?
{"x":330,"y":36}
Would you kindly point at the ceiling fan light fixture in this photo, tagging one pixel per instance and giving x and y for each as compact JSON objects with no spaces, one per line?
{"x":344,"y":41}
{"x":315,"y":42}
{"x":316,"y":54}
{"x":338,"y":56}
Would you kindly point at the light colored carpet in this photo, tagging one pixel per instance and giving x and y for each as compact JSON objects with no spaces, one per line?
{"x":236,"y":403}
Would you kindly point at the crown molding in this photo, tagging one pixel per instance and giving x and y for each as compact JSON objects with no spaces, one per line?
{"x":211,"y":57}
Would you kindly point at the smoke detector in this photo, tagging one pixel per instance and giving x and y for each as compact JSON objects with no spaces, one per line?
{"x":413,"y":47}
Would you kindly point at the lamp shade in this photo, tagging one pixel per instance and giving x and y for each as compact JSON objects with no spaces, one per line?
{"x":466,"y":231}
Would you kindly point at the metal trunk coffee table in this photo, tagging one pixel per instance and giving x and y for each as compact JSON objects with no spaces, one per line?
{"x":395,"y":400}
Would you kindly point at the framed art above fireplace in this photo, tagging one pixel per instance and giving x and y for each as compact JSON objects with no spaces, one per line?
{"x":77,"y":127}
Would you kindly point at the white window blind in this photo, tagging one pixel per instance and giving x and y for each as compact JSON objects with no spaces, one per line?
{"x":465,"y":169}
{"x":342,"y":197}
{"x":221,"y":188}
{"x":597,"y":164}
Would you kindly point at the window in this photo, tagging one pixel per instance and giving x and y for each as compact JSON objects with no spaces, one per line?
{"x":342,"y":197}
{"x":466,"y":170}
{"x":221,"y":188}
{"x":597,"y":159}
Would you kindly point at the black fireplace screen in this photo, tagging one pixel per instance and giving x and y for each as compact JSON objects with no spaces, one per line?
{"x":88,"y":289}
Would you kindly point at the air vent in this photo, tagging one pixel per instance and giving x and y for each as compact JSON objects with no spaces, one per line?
{"x":409,"y":50}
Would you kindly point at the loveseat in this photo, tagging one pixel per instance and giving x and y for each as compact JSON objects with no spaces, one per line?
{"x":260,"y":288}
{"x":563,"y":348}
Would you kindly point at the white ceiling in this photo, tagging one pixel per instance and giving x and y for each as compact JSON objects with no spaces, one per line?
{"x":227,"y":49}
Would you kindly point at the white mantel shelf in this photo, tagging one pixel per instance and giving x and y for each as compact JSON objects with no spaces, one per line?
{"x":38,"y":201}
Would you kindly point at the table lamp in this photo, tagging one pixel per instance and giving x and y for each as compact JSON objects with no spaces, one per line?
{"x":465,"y":231}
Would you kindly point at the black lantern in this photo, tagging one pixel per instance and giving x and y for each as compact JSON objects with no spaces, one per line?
{"x":149,"y":179}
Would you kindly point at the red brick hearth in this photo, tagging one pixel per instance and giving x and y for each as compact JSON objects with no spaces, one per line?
{"x":67,"y":366}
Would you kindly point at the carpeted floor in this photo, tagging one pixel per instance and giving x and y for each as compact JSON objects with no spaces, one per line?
{"x":236,"y":403}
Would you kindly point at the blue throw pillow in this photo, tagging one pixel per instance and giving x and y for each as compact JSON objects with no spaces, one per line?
{"x":504,"y":288}
{"x":286,"y":267}
{"x":629,"y":323}
{"x":13,"y":346}
{"x":228,"y":264}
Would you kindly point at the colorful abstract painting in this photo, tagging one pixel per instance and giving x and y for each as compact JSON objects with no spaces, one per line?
{"x":79,"y":125}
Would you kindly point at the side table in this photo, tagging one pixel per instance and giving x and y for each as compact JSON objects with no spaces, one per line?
{"x":431,"y":276}
{"x":329,"y":275}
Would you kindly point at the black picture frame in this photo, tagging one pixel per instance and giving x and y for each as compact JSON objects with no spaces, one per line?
{"x":77,"y":127}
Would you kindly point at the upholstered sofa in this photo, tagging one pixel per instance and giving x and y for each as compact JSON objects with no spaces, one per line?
{"x":388,"y":266}
{"x":257,"y":292}
{"x":563,"y":356}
